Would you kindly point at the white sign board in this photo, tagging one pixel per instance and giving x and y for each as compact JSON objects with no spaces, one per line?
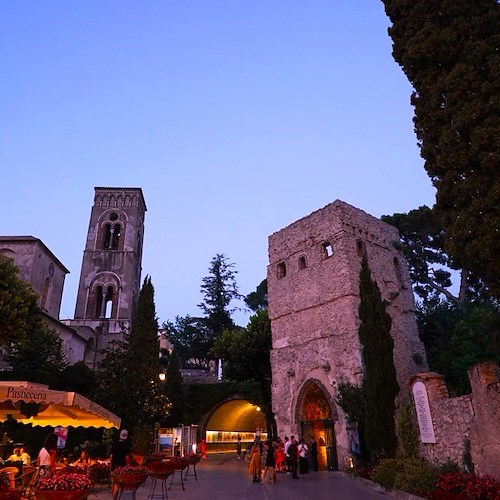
{"x":423,"y":413}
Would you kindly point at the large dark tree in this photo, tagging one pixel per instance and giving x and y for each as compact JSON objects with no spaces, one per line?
{"x":257,"y":301}
{"x":423,"y":240}
{"x":450,"y":53}
{"x":128,"y":375}
{"x":219,"y":289}
{"x":18,"y":306}
{"x":173,"y":391}
{"x":380,"y":386}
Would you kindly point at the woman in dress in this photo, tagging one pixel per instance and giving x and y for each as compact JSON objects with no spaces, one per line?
{"x":303,"y":461}
{"x":270,"y":461}
{"x":280,"y":455}
{"x":254,"y":467}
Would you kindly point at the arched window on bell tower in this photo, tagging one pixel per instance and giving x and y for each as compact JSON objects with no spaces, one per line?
{"x":106,"y":236}
{"x":45,"y":294}
{"x":115,"y":236}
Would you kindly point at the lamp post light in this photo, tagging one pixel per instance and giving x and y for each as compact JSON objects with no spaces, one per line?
{"x":162,"y":376}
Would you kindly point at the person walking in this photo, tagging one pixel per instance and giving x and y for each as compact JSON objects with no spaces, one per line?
{"x":120,"y":457}
{"x":303,"y":458}
{"x":238,"y":447}
{"x":270,"y":461}
{"x":254,"y":467}
{"x":293,"y":454}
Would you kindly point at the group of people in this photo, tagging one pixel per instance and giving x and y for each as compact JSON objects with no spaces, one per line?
{"x":19,"y":454}
{"x":288,"y":455}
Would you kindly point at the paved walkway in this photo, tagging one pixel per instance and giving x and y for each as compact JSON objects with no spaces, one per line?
{"x":224,"y":477}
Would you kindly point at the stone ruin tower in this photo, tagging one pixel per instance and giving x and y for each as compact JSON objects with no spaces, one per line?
{"x":313,"y":290}
{"x":110,"y":278}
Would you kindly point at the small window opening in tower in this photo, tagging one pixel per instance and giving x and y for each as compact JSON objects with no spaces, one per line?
{"x":397,"y":268}
{"x":360,"y":248}
{"x":113,"y":217}
{"x":109,"y":302}
{"x":327,"y":249}
{"x":281,"y":270}
{"x":115,"y":238}
{"x":98,"y":301}
{"x":107,"y":236}
{"x":302,"y":262}
{"x":45,"y":294}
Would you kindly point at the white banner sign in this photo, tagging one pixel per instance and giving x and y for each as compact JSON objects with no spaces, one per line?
{"x":423,"y":413}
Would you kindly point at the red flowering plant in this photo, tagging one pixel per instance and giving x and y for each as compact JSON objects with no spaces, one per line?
{"x":131,"y":469}
{"x":5,"y":492}
{"x":99,"y":472}
{"x":153,"y":457}
{"x":462,"y":486}
{"x":64,"y":481}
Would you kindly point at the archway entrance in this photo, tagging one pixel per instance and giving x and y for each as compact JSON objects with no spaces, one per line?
{"x":230,"y":420}
{"x":316,"y":415}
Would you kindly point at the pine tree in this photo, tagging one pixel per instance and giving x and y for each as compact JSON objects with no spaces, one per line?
{"x":380,"y":386}
{"x":219,"y":289}
{"x":449,"y":52}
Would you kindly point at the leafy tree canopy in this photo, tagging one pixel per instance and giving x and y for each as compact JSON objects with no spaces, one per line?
{"x":219,"y":289}
{"x":449,"y":52}
{"x":18,"y":306}
{"x":423,"y":238}
{"x":257,"y":300}
{"x":457,"y":338}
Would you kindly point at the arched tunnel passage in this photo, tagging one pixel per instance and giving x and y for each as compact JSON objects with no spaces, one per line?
{"x":232,"y":419}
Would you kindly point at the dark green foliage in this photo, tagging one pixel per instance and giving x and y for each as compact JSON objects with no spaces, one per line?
{"x":246,"y":355}
{"x":219,"y":289}
{"x":379,"y":381}
{"x":457,"y":338}
{"x":408,"y":434}
{"x":79,"y":378}
{"x":352,"y":399}
{"x":40,"y":358}
{"x":257,"y":300}
{"x":173,"y":391}
{"x":423,"y":239}
{"x":18,"y":307}
{"x":410,"y":475}
{"x":449,"y":52}
{"x":128,"y":374}
{"x":191,"y":340}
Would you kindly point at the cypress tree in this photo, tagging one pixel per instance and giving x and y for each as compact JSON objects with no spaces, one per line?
{"x":380,"y":386}
{"x":449,"y":51}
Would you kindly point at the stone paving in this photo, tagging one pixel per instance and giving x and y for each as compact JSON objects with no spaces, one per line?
{"x":225,"y":477}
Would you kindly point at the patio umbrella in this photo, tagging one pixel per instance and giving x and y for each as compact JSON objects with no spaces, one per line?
{"x":36,"y":404}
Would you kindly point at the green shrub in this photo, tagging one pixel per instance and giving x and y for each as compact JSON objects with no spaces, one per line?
{"x":385,"y":472}
{"x":411,"y":475}
{"x":416,"y":477}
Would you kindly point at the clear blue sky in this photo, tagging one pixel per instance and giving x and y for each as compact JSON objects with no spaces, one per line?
{"x":236,"y":118}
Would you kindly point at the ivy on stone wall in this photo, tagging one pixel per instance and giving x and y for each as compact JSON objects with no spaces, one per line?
{"x":379,"y":381}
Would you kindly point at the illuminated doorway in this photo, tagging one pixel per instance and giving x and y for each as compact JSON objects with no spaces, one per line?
{"x":317,"y":415}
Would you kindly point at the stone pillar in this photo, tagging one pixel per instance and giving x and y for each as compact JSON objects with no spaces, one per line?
{"x":485,"y":432}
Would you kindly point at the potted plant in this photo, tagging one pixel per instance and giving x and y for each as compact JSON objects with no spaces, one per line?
{"x":129,"y":477}
{"x":6,"y":493}
{"x":64,"y":486}
{"x":99,"y":472}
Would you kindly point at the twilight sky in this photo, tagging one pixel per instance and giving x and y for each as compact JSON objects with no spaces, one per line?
{"x":235,"y":117}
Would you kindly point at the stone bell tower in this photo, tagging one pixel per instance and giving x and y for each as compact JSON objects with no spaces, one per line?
{"x":110,"y":278}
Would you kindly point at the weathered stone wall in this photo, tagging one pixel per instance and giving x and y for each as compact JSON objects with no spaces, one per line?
{"x":313,"y":288}
{"x":473,"y":418}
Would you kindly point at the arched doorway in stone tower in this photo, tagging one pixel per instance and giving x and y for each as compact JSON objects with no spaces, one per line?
{"x":317,"y":414}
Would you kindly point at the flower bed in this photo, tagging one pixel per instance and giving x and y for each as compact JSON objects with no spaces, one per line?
{"x":63,"y":486}
{"x":130,"y":477}
{"x":99,"y":473}
{"x":462,"y":486}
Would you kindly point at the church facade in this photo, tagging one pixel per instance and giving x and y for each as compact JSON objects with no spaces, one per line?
{"x":313,"y":291}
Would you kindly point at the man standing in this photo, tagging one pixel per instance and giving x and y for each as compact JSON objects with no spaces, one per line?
{"x":313,"y":446}
{"x":120,"y":456}
{"x":287,"y":456}
{"x":293,"y":452}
